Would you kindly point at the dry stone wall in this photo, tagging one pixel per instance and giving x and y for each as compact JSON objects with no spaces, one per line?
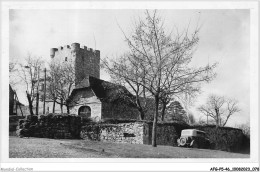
{"x":73,"y":127}
{"x":132,"y":132}
{"x":120,"y":133}
{"x":50,"y":126}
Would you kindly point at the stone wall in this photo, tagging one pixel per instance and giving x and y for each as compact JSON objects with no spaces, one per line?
{"x":87,"y":63}
{"x":120,"y":133}
{"x":133,"y":132}
{"x":50,"y":126}
{"x":13,"y":121}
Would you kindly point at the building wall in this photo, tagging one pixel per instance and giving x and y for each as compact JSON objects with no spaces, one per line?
{"x":11,"y":101}
{"x":86,"y":97}
{"x":94,"y":104}
{"x":86,"y":60}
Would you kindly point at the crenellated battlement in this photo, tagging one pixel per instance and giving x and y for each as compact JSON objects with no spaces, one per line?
{"x":75,"y":47}
{"x":86,"y":60}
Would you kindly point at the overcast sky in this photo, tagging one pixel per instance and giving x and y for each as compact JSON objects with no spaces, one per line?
{"x":224,"y":38}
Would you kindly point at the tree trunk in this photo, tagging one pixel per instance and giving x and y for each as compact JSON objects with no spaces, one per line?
{"x":37,"y":103}
{"x":61,"y":106}
{"x":16,"y":107}
{"x":217,"y":118}
{"x":163,"y":111}
{"x":68,"y":109}
{"x":30,"y":103}
{"x":139,"y":107}
{"x":142,"y":114}
{"x":216,"y":121}
{"x":53,"y":107}
{"x":155,"y":122}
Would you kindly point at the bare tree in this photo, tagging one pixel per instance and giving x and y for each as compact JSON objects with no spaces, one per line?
{"x":245,"y":128}
{"x":29,"y":74}
{"x":62,"y":82}
{"x":220,"y":109}
{"x":164,"y":101}
{"x":13,"y":73}
{"x":141,"y":98}
{"x":158,"y":63}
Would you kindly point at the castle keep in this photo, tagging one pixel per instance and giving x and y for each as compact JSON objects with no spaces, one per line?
{"x":86,"y":60}
{"x":92,"y":97}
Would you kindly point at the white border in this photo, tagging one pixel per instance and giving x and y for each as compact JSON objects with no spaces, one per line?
{"x":138,"y":164}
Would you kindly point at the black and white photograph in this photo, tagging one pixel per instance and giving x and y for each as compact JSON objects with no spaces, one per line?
{"x":120,"y":83}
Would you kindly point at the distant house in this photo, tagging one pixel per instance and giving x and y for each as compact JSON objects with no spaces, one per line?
{"x":14,"y":103}
{"x":11,"y":100}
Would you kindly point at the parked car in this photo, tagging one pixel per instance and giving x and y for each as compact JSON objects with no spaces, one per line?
{"x":193,"y":138}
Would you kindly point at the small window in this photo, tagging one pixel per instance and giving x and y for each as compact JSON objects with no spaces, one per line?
{"x":66,"y":58}
{"x":129,"y":135}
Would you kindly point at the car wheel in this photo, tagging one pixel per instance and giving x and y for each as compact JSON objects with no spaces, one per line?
{"x":182,"y":141}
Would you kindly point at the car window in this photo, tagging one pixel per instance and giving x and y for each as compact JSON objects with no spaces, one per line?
{"x":186,"y":133}
{"x":201,"y":134}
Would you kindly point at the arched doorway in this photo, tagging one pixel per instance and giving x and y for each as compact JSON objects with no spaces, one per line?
{"x":84,"y":111}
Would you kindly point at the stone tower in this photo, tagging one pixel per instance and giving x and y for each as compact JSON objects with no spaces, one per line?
{"x":86,"y":60}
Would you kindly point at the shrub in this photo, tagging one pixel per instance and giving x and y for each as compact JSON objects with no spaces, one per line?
{"x":225,"y":138}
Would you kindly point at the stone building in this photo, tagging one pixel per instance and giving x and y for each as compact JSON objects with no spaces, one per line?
{"x":93,"y":97}
{"x":100,"y":99}
{"x":11,"y":100}
{"x":86,"y":60}
{"x":14,"y":103}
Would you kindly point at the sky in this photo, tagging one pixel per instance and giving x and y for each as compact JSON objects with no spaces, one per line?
{"x":224,"y":38}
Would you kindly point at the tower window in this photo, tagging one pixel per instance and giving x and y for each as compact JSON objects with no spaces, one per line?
{"x":66,"y":58}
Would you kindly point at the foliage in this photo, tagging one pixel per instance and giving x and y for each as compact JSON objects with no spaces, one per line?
{"x":175,"y":112}
{"x":226,"y":138}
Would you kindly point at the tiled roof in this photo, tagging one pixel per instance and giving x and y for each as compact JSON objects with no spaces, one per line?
{"x":105,"y":91}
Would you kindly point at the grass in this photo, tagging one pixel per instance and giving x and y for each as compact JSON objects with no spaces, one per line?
{"x":55,"y":148}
